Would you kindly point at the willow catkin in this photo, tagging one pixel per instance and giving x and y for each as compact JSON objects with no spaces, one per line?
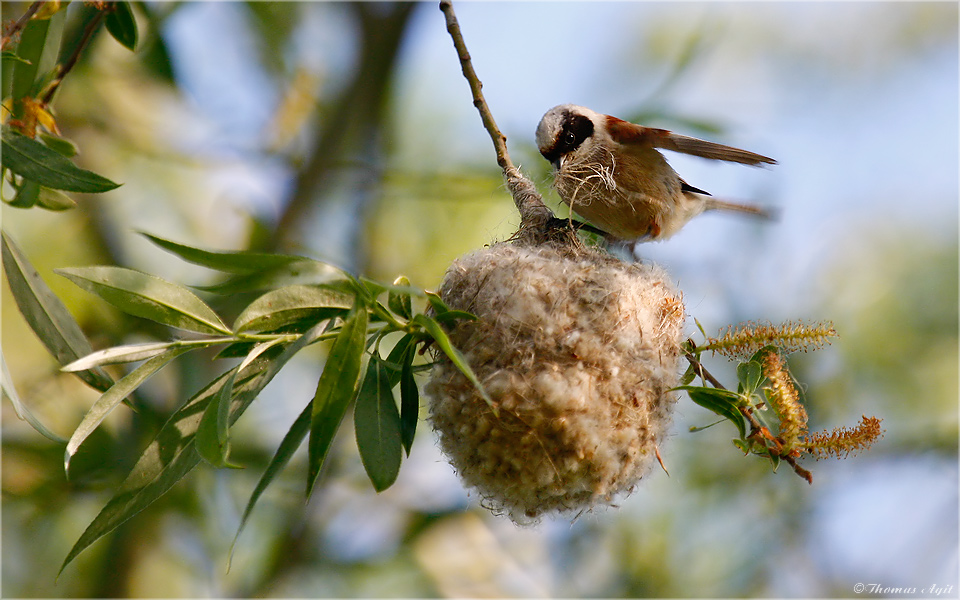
{"x":578,"y":351}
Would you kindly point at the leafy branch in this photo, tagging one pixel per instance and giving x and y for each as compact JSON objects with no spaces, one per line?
{"x":36,"y":161}
{"x":767,"y":408}
{"x":336,"y":307}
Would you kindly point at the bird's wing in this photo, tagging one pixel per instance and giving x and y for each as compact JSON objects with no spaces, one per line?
{"x":630,"y":133}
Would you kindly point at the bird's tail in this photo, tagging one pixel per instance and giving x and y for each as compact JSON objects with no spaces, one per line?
{"x":763,"y":212}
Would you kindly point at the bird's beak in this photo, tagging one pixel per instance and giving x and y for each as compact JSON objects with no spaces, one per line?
{"x":558,"y":164}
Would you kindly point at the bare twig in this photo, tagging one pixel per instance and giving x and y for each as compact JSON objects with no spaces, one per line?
{"x":535,"y":217}
{"x":20,"y":23}
{"x":466,"y":64}
{"x":68,"y":65}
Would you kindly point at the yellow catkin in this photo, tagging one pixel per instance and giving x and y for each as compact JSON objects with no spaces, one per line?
{"x":793,"y":417}
{"x":843,"y":441}
{"x":745,"y":339}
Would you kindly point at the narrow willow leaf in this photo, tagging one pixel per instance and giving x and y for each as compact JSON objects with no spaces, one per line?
{"x":212,"y":437}
{"x":305,"y":271}
{"x":722,"y":402}
{"x":46,"y":315}
{"x":32,"y":160}
{"x":336,"y":388}
{"x":114,"y":396}
{"x":409,"y":400}
{"x":453,"y":315}
{"x":10,"y":393}
{"x":374,"y":288}
{"x":55,"y":201}
{"x":59,"y":144}
{"x":377,"y":425}
{"x":285,"y":451}
{"x":394,"y":361}
{"x":33,"y":39}
{"x":119,"y":355}
{"x":225,"y":261}
{"x":147,"y":296}
{"x":122,"y":25}
{"x":399,"y":302}
{"x":213,"y":432}
{"x":172,"y":454}
{"x":432,"y":327}
{"x":27,"y":196}
{"x":292,"y":303}
{"x":689,"y":375}
{"x":437,"y":303}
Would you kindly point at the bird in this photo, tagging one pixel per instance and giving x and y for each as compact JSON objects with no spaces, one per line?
{"x":610,"y":172}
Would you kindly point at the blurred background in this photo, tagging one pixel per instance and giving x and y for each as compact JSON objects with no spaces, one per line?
{"x":346,"y":132}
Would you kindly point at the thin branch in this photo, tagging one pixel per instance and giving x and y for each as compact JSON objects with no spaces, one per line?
{"x":20,"y":23}
{"x":537,"y":221}
{"x":71,"y":61}
{"x":466,"y":64}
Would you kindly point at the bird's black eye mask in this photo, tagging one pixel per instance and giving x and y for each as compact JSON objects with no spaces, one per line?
{"x":573,"y":131}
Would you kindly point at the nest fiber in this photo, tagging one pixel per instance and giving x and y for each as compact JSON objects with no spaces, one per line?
{"x":578,"y":352}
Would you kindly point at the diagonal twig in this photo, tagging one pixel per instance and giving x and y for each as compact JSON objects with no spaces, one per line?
{"x":535,"y":216}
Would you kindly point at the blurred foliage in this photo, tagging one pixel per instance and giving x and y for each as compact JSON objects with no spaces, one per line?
{"x":136,"y":118}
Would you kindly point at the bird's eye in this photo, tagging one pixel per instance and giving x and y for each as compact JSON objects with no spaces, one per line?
{"x":570,"y":138}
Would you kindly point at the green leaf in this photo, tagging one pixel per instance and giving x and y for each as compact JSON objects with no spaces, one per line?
{"x":373,"y":288}
{"x":305,"y":271}
{"x":122,"y":25}
{"x":119,"y":355}
{"x":213,"y":432}
{"x":409,"y":400}
{"x":46,"y":315}
{"x":398,"y":302}
{"x":172,"y":454}
{"x":760,"y":354}
{"x":53,"y":200}
{"x":439,"y":306}
{"x":226,"y":261}
{"x":394,"y":361}
{"x":10,"y":393}
{"x":34,"y":161}
{"x":212,"y":437}
{"x":285,"y":451}
{"x":290,"y":304}
{"x":114,"y":396}
{"x":432,"y":327}
{"x":701,"y":329}
{"x":688,"y":376}
{"x":377,"y":424}
{"x":453,"y":315}
{"x":722,"y":402}
{"x":147,"y":296}
{"x":27,"y":196}
{"x":749,"y":375}
{"x":336,"y":388}
{"x":58,"y":144}
{"x":33,"y":40}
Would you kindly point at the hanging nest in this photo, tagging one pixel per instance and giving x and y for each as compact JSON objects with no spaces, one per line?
{"x":578,"y":351}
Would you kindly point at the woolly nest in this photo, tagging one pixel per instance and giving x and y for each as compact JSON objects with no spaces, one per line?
{"x":578,"y":352}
